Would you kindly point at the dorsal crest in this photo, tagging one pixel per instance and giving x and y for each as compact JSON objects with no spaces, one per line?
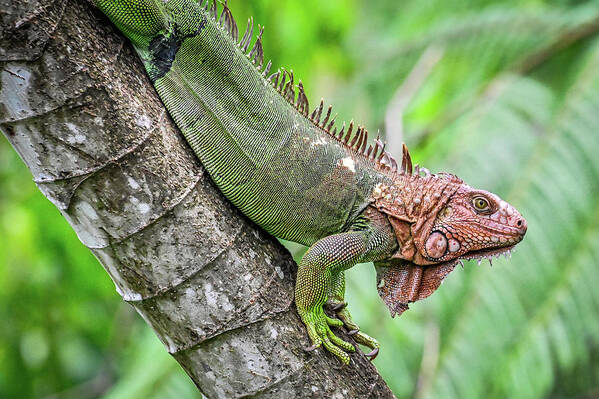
{"x":412,"y":195}
{"x":353,"y":137}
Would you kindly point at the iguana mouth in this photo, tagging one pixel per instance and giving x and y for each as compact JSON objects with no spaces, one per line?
{"x":489,"y":254}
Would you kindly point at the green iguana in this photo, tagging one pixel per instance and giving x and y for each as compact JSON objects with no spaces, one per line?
{"x":301,"y":178}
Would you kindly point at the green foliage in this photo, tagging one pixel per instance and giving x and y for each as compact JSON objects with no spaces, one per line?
{"x":512,"y":107}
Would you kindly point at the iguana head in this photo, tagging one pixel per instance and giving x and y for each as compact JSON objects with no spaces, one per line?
{"x":473,"y":224}
{"x":439,"y":218}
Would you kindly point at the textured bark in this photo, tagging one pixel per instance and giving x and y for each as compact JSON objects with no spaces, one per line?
{"x":77,"y":106}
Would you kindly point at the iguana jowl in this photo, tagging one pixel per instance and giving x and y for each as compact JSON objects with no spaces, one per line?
{"x":301,"y":178}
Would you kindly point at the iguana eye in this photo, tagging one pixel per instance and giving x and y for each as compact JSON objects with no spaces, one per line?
{"x":481,"y":204}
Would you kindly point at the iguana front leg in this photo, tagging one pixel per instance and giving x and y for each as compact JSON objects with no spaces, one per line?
{"x":337,"y":304}
{"x":317,"y":274}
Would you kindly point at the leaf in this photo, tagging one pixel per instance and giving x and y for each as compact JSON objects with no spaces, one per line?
{"x":553,"y":277}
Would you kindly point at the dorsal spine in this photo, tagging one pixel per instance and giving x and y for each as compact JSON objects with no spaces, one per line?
{"x":284,"y":82}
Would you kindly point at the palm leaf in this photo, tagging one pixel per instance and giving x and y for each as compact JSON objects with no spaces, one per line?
{"x":528,"y":320}
{"x":479,"y":45}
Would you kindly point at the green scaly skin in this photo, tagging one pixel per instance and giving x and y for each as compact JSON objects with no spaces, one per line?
{"x":285,"y":170}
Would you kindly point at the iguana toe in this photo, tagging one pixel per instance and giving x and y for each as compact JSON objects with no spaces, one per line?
{"x":344,"y":315}
{"x":366,"y":340}
{"x":319,"y":330}
{"x":333,"y":322}
{"x":354,"y":331}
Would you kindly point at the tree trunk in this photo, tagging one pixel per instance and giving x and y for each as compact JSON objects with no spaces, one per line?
{"x":77,"y":106}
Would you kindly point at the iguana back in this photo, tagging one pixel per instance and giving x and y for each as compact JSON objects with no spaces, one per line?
{"x":280,"y":167}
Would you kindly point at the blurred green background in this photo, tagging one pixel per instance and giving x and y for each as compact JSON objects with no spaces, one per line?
{"x":509,"y":101}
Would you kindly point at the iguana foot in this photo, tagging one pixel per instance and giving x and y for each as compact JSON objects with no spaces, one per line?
{"x":340,"y":309}
{"x":319,"y":326}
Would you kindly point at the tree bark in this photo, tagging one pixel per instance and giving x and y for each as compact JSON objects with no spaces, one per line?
{"x":77,"y":106}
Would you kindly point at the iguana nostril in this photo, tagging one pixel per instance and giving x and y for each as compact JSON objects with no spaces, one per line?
{"x":521,"y":223}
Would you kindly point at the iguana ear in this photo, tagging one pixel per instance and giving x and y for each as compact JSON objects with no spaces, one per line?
{"x":400,"y":282}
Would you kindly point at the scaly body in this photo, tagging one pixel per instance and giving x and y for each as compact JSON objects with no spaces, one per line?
{"x":298,"y":177}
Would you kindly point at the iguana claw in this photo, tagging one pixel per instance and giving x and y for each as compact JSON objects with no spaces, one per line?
{"x":310,"y":348}
{"x":354,"y":331}
{"x":336,"y":306}
{"x":373,"y":354}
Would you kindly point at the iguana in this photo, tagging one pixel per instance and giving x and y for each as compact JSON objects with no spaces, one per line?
{"x":301,"y":178}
